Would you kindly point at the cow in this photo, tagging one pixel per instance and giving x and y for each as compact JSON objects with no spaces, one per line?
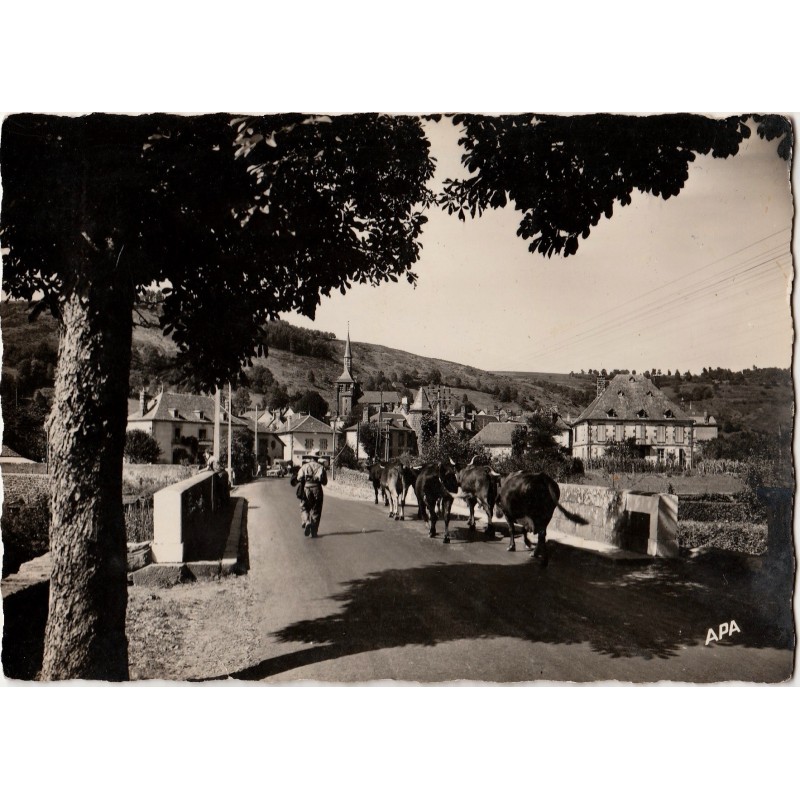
{"x":530,"y":499}
{"x":436,"y":483}
{"x":479,"y":486}
{"x":375,"y":472}
{"x":395,"y":482}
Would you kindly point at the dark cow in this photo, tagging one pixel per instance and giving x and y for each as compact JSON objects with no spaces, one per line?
{"x":376,"y":471}
{"x":479,"y":485}
{"x":530,"y":499}
{"x":436,"y":483}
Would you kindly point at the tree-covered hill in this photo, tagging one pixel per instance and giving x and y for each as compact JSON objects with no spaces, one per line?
{"x":300,"y":360}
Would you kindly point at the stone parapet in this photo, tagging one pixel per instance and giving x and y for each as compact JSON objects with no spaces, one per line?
{"x":636,"y":521}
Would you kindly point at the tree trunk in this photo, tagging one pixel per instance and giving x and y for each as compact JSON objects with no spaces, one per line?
{"x":85,"y":635}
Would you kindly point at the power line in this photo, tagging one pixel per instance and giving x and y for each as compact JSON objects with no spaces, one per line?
{"x":691,"y":293}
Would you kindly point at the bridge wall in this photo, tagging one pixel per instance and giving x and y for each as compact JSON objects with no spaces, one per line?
{"x":183,"y":510}
{"x":646,"y":523}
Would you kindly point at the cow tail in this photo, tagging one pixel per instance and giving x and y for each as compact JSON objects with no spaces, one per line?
{"x":577,"y":518}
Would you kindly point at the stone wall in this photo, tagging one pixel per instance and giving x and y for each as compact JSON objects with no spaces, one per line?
{"x":352,"y":483}
{"x":183,"y":512}
{"x":150,"y":472}
{"x":24,"y":488}
{"x":637,"y":521}
{"x":23,"y":468}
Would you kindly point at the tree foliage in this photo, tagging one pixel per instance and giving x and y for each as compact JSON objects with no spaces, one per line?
{"x":311,"y":402}
{"x":243,"y":459}
{"x":240,"y":219}
{"x":141,"y":448}
{"x":565,"y":173}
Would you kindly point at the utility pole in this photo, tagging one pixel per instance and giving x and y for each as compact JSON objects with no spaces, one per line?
{"x":438,"y":416}
{"x":217,"y":436}
{"x":255,"y":434}
{"x":230,"y":433}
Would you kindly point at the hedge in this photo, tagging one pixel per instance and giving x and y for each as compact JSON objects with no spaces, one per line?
{"x":741,"y":537}
{"x":716,"y":511}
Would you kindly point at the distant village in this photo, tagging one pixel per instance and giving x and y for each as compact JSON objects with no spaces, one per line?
{"x":627,"y":408}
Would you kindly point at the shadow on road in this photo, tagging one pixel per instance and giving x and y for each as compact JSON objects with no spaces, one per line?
{"x":621,"y":610}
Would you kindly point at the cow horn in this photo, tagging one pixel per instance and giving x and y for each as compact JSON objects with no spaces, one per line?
{"x":473,"y":460}
{"x":494,"y":474}
{"x":452,"y":462}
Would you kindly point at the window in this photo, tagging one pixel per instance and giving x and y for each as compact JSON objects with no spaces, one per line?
{"x":309,"y":444}
{"x":323,"y":444}
{"x":661,"y":433}
{"x":176,"y":433}
{"x":660,"y":453}
{"x":679,"y":434}
{"x":619,"y":434}
{"x":601,"y":433}
{"x":201,"y":435}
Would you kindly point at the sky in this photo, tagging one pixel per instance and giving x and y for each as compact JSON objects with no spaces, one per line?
{"x":702,"y":279}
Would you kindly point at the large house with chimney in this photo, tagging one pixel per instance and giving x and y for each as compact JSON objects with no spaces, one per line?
{"x":631,"y":407}
{"x":181,"y":424}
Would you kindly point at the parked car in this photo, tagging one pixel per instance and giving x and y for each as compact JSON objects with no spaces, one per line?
{"x":275,"y":472}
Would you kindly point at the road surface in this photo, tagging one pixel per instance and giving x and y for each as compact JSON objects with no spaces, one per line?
{"x":374,"y":599}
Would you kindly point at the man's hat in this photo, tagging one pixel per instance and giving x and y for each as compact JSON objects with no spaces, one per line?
{"x":314,"y":453}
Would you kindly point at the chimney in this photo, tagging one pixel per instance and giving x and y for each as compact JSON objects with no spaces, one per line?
{"x":144,"y":399}
{"x":601,"y":386}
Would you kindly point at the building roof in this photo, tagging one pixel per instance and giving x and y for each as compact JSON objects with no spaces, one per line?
{"x":704,"y":419}
{"x":345,"y":377}
{"x":421,"y":402}
{"x":306,"y":424}
{"x":372,"y":397}
{"x":12,"y":456}
{"x":632,"y":397}
{"x":175,"y":406}
{"x":496,"y":434}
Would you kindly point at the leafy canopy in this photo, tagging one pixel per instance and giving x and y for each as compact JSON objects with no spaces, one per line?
{"x":564,"y":173}
{"x":239,"y":219}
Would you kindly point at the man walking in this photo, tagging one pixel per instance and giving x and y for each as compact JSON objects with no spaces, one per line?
{"x":312,"y":477}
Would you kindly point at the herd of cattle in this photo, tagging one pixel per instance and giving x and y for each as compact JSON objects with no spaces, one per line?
{"x":528,"y":499}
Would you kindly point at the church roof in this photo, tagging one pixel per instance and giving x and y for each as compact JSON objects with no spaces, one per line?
{"x":347,"y":353}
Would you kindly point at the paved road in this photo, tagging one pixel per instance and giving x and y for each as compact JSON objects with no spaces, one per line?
{"x":374,"y":599}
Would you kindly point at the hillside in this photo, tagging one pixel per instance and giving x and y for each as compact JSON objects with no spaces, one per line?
{"x":758,"y":400}
{"x":372,"y":359}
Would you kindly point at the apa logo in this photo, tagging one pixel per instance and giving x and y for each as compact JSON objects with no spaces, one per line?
{"x":725,"y":629}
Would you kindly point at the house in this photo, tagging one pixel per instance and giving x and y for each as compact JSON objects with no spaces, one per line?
{"x":632,"y":408}
{"x":496,"y":437}
{"x":181,"y":424}
{"x":484,"y":418}
{"x":564,"y":435}
{"x":397,"y":436}
{"x":270,"y":447}
{"x":303,"y":434}
{"x":706,"y":427}
{"x":374,"y":401}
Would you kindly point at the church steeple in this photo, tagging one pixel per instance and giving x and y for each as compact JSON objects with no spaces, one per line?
{"x":346,"y":386}
{"x":348,"y":356}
